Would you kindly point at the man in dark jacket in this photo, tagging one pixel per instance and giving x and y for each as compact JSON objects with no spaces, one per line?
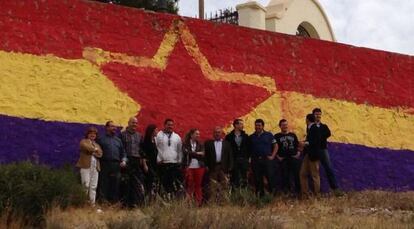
{"x":325,"y":159}
{"x":239,"y":141}
{"x":312,"y":151}
{"x":219,"y":161}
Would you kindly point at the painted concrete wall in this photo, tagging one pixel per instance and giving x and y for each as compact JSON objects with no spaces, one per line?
{"x":65,"y":65}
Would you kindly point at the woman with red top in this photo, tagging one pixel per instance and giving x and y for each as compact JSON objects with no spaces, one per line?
{"x":193,"y":161}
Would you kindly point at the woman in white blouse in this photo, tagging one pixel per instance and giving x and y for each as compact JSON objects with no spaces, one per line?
{"x":193,"y":161}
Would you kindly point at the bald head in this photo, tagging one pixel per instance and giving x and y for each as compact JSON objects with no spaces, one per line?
{"x":132,"y":123}
{"x":218,"y":133}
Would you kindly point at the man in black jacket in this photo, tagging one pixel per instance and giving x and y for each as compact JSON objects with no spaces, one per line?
{"x":310,"y":164}
{"x":325,"y":160}
{"x":219,"y":161}
{"x":239,"y":141}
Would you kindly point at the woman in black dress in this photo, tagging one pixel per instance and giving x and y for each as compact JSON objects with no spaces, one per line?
{"x":150,"y":149}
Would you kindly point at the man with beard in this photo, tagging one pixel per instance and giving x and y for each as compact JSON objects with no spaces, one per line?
{"x":169,"y":159}
{"x":113,"y":158}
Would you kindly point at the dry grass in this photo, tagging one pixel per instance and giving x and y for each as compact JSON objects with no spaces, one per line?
{"x":374,"y":209}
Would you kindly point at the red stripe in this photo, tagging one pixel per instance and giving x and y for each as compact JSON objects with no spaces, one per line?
{"x":63,"y":28}
{"x":323,"y":69}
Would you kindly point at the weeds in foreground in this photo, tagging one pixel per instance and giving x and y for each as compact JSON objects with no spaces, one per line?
{"x":35,"y":195}
{"x":371,"y":209}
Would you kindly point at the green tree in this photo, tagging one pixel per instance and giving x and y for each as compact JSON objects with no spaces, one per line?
{"x":169,"y":6}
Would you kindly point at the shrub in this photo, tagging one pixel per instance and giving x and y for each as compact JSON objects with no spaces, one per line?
{"x":28,"y":191}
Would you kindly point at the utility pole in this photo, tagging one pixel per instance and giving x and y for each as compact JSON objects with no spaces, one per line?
{"x":201,"y":9}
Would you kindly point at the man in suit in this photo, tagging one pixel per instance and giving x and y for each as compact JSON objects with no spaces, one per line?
{"x":219,"y":161}
{"x":312,"y":152}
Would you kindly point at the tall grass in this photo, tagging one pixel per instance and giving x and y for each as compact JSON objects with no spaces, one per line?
{"x":372,"y":209}
{"x":32,"y":195}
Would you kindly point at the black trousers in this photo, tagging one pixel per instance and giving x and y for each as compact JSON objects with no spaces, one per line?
{"x":151,"y":182}
{"x":172,"y":179}
{"x":135,"y":192}
{"x":109,"y":181}
{"x":264,"y":168}
{"x":238,"y":177}
{"x":290,"y":168}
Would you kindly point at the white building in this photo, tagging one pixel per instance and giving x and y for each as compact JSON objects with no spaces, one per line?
{"x":295,"y":17}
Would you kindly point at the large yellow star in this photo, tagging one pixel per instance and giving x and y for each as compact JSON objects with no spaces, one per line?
{"x":58,"y":89}
{"x":178,"y":31}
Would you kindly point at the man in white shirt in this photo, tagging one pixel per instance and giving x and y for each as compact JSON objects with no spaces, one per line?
{"x":169,"y":159}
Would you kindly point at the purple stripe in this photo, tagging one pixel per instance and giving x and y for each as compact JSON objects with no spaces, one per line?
{"x":357,"y":167}
{"x":53,"y":143}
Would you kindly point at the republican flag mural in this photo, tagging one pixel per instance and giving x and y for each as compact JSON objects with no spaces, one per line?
{"x":65,"y":65}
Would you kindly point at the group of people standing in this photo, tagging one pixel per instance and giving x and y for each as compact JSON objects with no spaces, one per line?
{"x":132,"y":168}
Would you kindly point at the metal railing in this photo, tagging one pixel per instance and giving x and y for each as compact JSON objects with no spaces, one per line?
{"x":229,"y":16}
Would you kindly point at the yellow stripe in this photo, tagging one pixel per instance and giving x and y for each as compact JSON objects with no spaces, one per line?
{"x":349,"y":122}
{"x":56,"y":89}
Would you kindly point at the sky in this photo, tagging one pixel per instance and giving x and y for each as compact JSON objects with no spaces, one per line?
{"x":378,"y":24}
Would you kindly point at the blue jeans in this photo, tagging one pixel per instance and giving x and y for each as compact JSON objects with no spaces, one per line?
{"x":327,"y":166}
